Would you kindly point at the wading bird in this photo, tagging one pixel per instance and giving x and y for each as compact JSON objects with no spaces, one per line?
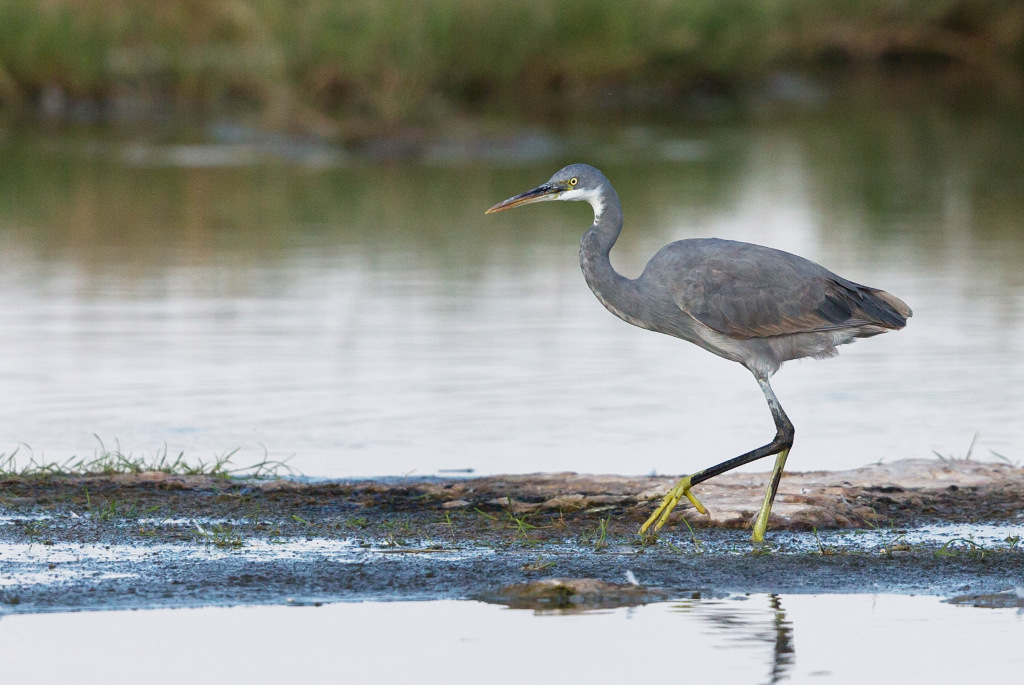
{"x":751,"y":304}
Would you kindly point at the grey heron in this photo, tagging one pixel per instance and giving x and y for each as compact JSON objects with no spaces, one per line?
{"x":751,"y":304}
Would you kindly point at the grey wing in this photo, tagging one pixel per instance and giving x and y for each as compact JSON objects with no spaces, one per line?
{"x":749,"y":291}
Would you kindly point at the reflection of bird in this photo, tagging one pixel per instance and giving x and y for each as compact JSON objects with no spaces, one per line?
{"x":751,"y":304}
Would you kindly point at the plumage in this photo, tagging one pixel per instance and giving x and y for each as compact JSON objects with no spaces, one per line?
{"x":748,"y":303}
{"x":775,"y":304}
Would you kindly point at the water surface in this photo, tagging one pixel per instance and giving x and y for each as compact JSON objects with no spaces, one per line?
{"x":366,"y":318}
{"x":731,"y":639}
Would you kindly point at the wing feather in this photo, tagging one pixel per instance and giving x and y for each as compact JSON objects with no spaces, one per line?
{"x":749,"y":291}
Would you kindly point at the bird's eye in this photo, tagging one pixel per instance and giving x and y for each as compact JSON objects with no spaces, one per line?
{"x":573,"y":181}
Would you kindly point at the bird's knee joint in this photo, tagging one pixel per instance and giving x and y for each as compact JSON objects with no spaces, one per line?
{"x":785,"y":436}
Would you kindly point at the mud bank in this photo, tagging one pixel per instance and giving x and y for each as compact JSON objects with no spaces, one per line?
{"x":154,"y":540}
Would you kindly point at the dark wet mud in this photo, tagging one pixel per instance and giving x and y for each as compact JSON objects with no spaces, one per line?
{"x":153,"y":540}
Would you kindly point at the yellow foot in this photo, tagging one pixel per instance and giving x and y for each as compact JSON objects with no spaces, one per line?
{"x":660,"y":515}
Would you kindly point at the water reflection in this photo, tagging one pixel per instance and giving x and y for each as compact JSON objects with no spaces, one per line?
{"x":733,"y":639}
{"x":784,"y":654}
{"x":368,"y":319}
{"x":743,"y":627}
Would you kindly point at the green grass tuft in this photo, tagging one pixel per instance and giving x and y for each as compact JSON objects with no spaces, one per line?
{"x":220,"y":535}
{"x":107,"y":462}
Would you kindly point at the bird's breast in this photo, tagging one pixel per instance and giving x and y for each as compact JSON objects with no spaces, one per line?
{"x":629,"y":314}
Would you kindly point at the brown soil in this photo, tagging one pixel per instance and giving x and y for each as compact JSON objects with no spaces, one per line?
{"x":906,"y":493}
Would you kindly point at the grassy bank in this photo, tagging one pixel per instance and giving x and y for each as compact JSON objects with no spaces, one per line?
{"x":320,"y":62}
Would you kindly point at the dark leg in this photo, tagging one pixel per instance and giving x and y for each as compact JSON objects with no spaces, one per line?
{"x":780,"y":446}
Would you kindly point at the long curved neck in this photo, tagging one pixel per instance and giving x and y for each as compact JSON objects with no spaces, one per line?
{"x":614,"y":290}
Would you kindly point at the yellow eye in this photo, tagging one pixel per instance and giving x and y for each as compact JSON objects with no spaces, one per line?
{"x":573,"y":181}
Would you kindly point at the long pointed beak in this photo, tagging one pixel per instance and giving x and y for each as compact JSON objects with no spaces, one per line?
{"x":548,"y":191}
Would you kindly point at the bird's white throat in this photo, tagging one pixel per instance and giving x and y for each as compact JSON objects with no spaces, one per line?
{"x":592,"y":195}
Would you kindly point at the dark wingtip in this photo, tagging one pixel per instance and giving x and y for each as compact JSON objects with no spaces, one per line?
{"x":887,"y":310}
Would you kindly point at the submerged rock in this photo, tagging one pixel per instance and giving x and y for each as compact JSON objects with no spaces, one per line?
{"x":573,"y":594}
{"x":1008,"y":599}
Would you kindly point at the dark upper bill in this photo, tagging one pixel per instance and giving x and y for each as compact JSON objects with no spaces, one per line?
{"x":548,"y":191}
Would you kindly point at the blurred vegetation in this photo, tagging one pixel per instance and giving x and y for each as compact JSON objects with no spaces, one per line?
{"x":315,"y":63}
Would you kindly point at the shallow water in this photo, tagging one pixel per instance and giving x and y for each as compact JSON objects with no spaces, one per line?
{"x":366,"y":318}
{"x":732,"y":639}
{"x":41,"y":565}
{"x":32,"y":556}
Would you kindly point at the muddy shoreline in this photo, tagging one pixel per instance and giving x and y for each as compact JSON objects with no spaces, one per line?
{"x":157,"y":540}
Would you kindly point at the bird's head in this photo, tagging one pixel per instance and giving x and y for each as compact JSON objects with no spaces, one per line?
{"x":574,"y":182}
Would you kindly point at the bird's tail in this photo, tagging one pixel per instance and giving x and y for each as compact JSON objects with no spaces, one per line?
{"x":884,"y":309}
